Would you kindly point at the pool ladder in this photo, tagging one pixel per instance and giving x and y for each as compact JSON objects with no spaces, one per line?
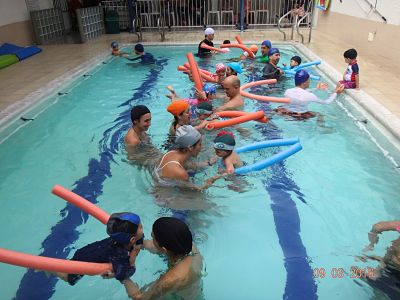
{"x":295,"y":25}
{"x":137,"y":28}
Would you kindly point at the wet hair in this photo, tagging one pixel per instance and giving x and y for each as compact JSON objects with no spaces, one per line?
{"x":297,"y":59}
{"x":138,"y":111}
{"x":173,"y":234}
{"x":123,"y":226}
{"x":226,"y":42}
{"x":139,"y":48}
{"x":350,"y":54}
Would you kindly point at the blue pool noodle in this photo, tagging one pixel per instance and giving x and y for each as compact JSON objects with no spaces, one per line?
{"x":296,"y":147}
{"x":305,"y":65}
{"x":290,"y":73}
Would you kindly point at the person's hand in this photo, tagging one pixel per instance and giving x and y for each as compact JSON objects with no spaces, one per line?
{"x":339,"y":88}
{"x":230,"y":171}
{"x":284,"y":65}
{"x":170,"y":96}
{"x":203,"y":124}
{"x":201,"y":95}
{"x":108,"y":275}
{"x":281,"y":71}
{"x":322,"y":86}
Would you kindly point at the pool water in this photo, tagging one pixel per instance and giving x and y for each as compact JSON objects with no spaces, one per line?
{"x":264,"y":241}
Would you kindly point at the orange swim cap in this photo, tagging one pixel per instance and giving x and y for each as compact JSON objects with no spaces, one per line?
{"x":177,"y":107}
{"x":254,"y":48}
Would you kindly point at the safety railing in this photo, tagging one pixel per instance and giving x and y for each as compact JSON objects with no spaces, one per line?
{"x":297,"y":18}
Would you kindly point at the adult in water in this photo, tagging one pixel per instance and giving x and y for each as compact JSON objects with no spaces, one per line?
{"x":141,"y":121}
{"x":300,"y":98}
{"x":233,"y":99}
{"x":271,"y":71}
{"x":171,"y":237}
{"x":137,"y":142}
{"x":265,"y":46}
{"x":173,"y":165}
{"x":209,"y":36}
{"x":180,"y":109}
{"x":385,"y":277}
{"x":145,"y":57}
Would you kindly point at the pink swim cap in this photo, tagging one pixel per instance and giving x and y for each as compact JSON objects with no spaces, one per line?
{"x":220,"y":67}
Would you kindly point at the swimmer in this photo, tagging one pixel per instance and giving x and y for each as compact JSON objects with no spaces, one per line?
{"x":271,"y":69}
{"x":172,"y":238}
{"x":120,"y":249}
{"x":233,"y":99}
{"x":233,"y":68}
{"x":224,"y":143}
{"x":265,"y":47}
{"x":180,"y":109}
{"x":294,"y":62}
{"x":115,"y":49}
{"x":145,"y":57}
{"x":245,"y":55}
{"x":204,"y":111}
{"x":141,"y":121}
{"x":173,"y":164}
{"x":209,"y":36}
{"x":300,"y":98}
{"x":208,"y":93}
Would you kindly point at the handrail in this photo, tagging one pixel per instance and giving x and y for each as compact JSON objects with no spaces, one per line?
{"x":279,"y":24}
{"x":137,"y":32}
{"x":298,"y":26}
{"x":161,"y":30}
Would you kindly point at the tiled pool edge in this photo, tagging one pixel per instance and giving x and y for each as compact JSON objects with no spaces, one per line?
{"x":385,"y":121}
{"x":32,"y":100}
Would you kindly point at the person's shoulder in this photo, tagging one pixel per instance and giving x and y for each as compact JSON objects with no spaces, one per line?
{"x":131,"y":139}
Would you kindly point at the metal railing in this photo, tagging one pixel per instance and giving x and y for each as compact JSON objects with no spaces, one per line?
{"x":296,"y":18}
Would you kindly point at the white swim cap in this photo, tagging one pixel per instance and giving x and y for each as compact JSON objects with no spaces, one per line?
{"x":209,"y":30}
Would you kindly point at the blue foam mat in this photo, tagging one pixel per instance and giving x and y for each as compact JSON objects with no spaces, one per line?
{"x":20,"y":52}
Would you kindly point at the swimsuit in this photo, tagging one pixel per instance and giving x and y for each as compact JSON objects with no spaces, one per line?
{"x":158,"y":169}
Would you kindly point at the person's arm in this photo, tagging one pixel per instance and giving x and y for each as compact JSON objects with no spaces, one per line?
{"x":338,"y":90}
{"x":132,"y":59}
{"x":149,"y":246}
{"x":229,"y":165}
{"x":161,"y":287}
{"x":379,"y":228}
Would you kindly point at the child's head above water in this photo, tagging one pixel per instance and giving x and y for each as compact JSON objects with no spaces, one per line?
{"x":233,"y":69}
{"x":114,"y":45}
{"x":209,"y":89}
{"x":224,"y":143}
{"x":125,"y":228}
{"x":204,"y":110}
{"x":295,"y":61}
{"x":226,"y":42}
{"x":220,"y":68}
{"x":350,"y":55}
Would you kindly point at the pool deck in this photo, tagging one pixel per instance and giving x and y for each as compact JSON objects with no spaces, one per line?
{"x":379,"y":77}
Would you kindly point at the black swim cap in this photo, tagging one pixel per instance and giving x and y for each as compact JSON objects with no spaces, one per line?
{"x":138,"y":111}
{"x":139,"y":48}
{"x":173,"y":234}
{"x":296,"y":59}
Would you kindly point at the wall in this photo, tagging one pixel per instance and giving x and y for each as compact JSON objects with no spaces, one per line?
{"x":352,"y":22}
{"x":15,"y":24}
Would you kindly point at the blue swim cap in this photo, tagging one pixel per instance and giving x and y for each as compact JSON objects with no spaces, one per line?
{"x":267,"y":43}
{"x":122,"y":233}
{"x":114,"y":44}
{"x":209,"y":88}
{"x":272,"y":51}
{"x":300,"y":77}
{"x":235,"y":67}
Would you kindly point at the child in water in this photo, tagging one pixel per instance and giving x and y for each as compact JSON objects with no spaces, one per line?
{"x":120,"y":249}
{"x":115,"y":49}
{"x":294,"y":62}
{"x":224,"y":143}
